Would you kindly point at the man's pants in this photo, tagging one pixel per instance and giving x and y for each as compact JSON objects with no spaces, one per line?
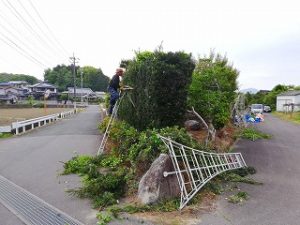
{"x":114,"y":96}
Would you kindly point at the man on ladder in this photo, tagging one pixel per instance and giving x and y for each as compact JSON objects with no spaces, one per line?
{"x":113,"y":87}
{"x":115,"y":102}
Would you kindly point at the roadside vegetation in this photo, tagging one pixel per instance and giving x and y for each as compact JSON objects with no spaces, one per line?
{"x":165,"y":86}
{"x":292,"y":117}
{"x":5,"y":135}
{"x":239,"y":197}
{"x":252,"y":134}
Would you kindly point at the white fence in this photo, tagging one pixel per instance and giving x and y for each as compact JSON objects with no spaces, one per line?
{"x":25,"y":125}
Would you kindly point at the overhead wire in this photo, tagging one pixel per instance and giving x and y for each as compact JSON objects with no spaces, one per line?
{"x":31,"y":49}
{"x":50,"y":41}
{"x":23,"y":52}
{"x":16,"y":13}
{"x":48,"y":28}
{"x":41,"y":44}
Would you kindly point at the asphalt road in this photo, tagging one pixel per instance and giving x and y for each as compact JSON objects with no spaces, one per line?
{"x":277,"y":201}
{"x":32,"y":161}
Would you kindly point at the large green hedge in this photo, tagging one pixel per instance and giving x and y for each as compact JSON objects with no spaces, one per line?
{"x":160,"y":81}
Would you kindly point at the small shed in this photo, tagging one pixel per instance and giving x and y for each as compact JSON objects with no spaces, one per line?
{"x":288,"y":98}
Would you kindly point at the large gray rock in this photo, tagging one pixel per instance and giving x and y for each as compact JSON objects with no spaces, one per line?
{"x":153,"y":186}
{"x":192,"y":125}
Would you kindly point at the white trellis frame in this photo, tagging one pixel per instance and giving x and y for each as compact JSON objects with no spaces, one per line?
{"x":112,"y":117}
{"x":194,"y":168}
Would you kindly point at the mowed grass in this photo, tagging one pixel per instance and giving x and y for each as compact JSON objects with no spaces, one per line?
{"x":293,"y":117}
{"x":7,"y":116}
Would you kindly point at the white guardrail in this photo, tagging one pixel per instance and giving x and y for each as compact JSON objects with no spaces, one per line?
{"x":23,"y":126}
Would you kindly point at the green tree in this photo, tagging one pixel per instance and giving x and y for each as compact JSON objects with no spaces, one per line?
{"x":5,"y":77}
{"x":213,"y":87}
{"x":270,"y":98}
{"x":62,"y":77}
{"x":94,"y":78}
{"x":160,"y":81}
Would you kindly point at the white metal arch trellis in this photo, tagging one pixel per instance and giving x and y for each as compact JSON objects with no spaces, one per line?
{"x":194,"y":168}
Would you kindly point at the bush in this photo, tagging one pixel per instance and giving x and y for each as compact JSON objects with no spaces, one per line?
{"x":160,"y":81}
{"x":213,"y":87}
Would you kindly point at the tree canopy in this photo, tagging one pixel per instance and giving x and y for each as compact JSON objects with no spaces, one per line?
{"x":5,"y":77}
{"x":62,"y":77}
{"x":213,"y":87}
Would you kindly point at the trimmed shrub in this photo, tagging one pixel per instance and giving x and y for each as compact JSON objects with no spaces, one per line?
{"x":160,"y":81}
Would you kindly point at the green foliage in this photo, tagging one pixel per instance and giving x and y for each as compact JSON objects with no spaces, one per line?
{"x":5,"y":77}
{"x":293,"y":117}
{"x":212,"y":91}
{"x":103,"y":218}
{"x":163,"y":206}
{"x":234,"y":177}
{"x":253,"y":134}
{"x":245,"y":171}
{"x":62,"y":77}
{"x":30,"y":100}
{"x":94,"y":78}
{"x":160,"y":81}
{"x":77,"y":164}
{"x":5,"y":135}
{"x":103,"y":187}
{"x":239,"y":197}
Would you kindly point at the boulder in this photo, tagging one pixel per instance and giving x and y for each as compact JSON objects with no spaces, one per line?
{"x":192,"y":125}
{"x":153,"y":186}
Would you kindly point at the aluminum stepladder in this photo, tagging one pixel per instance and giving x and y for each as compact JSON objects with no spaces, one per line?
{"x":123,"y":92}
{"x":194,"y":168}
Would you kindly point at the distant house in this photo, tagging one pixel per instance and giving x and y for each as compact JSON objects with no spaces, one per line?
{"x":18,"y":84}
{"x":264,"y":92}
{"x":81,"y":92}
{"x":9,"y":94}
{"x":38,"y":90}
{"x":288,"y":99}
{"x":100,"y":94}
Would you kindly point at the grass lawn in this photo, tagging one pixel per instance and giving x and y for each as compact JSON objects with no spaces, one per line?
{"x":7,"y":116}
{"x":295,"y":117}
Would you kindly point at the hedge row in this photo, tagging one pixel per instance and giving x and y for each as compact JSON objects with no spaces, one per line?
{"x":160,"y":81}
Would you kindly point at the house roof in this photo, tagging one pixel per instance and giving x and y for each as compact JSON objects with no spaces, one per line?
{"x":80,"y":90}
{"x":18,"y":82}
{"x":2,"y":84}
{"x":290,"y":93}
{"x":43,"y":85}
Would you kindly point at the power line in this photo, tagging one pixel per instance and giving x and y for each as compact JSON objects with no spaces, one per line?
{"x":22,"y":42}
{"x":40,"y":29}
{"x":27,"y":25}
{"x":48,"y":28}
{"x":19,"y":49}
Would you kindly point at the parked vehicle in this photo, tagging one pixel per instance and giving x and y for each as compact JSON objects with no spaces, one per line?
{"x":267,"y":108}
{"x":257,"y":108}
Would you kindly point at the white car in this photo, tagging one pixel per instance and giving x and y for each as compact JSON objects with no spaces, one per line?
{"x":257,"y":108}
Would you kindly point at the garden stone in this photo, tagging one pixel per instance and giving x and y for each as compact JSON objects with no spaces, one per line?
{"x":153,"y":186}
{"x":192,"y":125}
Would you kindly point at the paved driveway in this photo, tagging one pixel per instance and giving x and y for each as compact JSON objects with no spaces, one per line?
{"x":32,"y":161}
{"x":277,"y":162}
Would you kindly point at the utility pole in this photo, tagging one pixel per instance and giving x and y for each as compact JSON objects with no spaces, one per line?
{"x":81,"y":73}
{"x":74,"y":60}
